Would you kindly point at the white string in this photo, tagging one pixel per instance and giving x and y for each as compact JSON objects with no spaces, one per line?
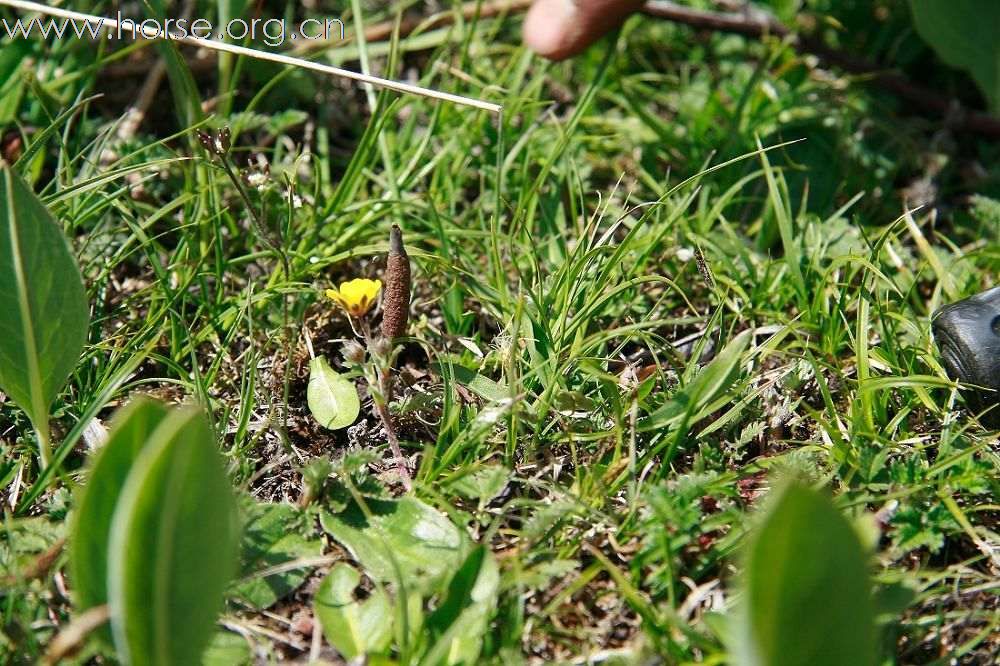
{"x":132,"y":27}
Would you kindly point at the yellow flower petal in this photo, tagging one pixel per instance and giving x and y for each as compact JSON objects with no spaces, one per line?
{"x":356,"y":296}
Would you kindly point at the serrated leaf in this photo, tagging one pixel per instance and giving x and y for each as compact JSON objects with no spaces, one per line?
{"x":408,"y":534}
{"x":173,"y":545}
{"x":354,"y":627}
{"x":333,"y":399}
{"x":272,"y":537}
{"x":91,"y":527}
{"x":44,"y":304}
{"x":23,"y":540}
{"x":807,"y":588}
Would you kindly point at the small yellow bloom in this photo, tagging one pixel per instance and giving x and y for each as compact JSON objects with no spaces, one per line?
{"x":356,"y":296}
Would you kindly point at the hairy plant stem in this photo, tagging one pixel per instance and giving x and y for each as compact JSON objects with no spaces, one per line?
{"x":382,"y":396}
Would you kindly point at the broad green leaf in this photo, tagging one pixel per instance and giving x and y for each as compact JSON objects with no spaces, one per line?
{"x":272,"y":536}
{"x":227,"y":649}
{"x":44,"y":322}
{"x":172,"y":551}
{"x":355,"y":628}
{"x":807,"y":588}
{"x":459,"y":623}
{"x":91,"y":527}
{"x":407,"y":533}
{"x":964,"y":35}
{"x":714,"y":379}
{"x":333,"y":399}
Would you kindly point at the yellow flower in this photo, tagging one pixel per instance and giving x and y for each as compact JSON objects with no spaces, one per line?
{"x":356,"y":296}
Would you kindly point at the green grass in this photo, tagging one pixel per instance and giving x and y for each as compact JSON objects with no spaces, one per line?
{"x":556,"y":256}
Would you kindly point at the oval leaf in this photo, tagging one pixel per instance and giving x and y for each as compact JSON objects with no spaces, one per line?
{"x":807,"y":588}
{"x":354,"y":628}
{"x":333,"y":399}
{"x":963,"y":33}
{"x":44,"y":304}
{"x":91,"y":527}
{"x":173,"y":545}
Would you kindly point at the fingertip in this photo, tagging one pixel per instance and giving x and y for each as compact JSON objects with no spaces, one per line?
{"x":558,"y":29}
{"x":549,"y":28}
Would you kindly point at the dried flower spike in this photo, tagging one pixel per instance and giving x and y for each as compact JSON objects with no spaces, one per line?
{"x":396,"y":301}
{"x":356,"y":296}
{"x":217,"y":143}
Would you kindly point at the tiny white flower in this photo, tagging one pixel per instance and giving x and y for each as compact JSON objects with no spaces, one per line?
{"x":257,"y":179}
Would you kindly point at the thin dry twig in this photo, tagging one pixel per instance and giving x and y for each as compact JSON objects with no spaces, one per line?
{"x":71,"y":637}
{"x":408,"y":25}
{"x":150,"y":33}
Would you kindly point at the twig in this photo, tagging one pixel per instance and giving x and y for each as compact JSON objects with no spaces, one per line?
{"x":376,"y":33}
{"x":150,"y":33}
{"x":71,"y":637}
{"x":41,"y":565}
{"x":751,"y":22}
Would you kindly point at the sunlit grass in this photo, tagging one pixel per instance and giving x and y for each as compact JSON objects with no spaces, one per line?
{"x":576,"y":270}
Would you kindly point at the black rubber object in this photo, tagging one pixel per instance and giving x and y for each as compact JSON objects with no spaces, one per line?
{"x":968,"y":335}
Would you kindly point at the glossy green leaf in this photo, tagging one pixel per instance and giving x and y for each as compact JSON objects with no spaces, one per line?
{"x":406,"y":533}
{"x":354,"y":627}
{"x":713,"y":380}
{"x":173,"y":544}
{"x":964,"y":35}
{"x":273,"y":536}
{"x":333,"y":399}
{"x":44,"y":322}
{"x":91,"y":528}
{"x":807,"y":588}
{"x":460,"y":622}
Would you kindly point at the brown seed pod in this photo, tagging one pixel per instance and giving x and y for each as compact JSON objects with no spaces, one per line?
{"x":396,"y":292}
